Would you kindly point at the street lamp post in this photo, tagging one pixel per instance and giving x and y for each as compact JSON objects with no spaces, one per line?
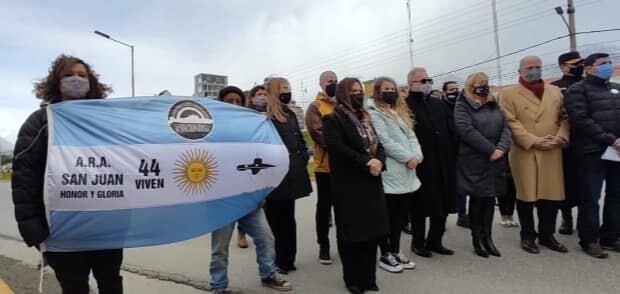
{"x":570,"y":24}
{"x":133,"y":88}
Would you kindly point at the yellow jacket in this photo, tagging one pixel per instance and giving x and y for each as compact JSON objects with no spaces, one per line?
{"x":321,"y":107}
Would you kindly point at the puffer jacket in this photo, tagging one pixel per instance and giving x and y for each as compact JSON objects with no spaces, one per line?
{"x":593,"y":107}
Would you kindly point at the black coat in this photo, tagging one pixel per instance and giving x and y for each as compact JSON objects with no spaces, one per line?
{"x":437,"y":173}
{"x":296,"y":183}
{"x":29,"y":159}
{"x":359,"y":203}
{"x":573,"y":181}
{"x":593,"y":107}
{"x":482,"y":129}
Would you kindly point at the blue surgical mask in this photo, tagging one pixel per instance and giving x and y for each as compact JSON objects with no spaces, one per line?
{"x":605,"y":71}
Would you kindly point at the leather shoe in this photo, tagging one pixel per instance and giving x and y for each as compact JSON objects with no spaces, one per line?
{"x":440,"y":250}
{"x":611,"y":246}
{"x":529,"y":246}
{"x":422,"y":252}
{"x":478,"y":248}
{"x":595,"y":250}
{"x":488,"y":244}
{"x":553,"y":244}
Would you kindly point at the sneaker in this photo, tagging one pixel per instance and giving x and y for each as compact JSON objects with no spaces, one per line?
{"x":404,"y":261}
{"x":389,"y":263}
{"x":242,"y":241}
{"x":324,"y":257}
{"x":276,"y":283}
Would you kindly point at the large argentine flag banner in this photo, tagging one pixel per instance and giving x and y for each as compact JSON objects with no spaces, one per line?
{"x":133,"y":172}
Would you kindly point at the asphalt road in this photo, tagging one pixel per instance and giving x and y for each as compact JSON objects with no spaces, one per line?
{"x":516,"y":272}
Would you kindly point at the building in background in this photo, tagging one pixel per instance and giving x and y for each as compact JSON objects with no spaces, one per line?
{"x":206,"y":85}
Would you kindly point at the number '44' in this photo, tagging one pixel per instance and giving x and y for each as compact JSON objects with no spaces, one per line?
{"x":146,"y":167}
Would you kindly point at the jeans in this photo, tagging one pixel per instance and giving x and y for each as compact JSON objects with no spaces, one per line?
{"x":255,"y":225}
{"x":73,"y":268}
{"x":596,"y":171}
{"x":323,"y":209}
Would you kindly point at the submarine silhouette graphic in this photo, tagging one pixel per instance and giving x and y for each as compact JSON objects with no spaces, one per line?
{"x":255,"y":167}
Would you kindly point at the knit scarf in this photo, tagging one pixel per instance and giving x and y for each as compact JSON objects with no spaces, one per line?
{"x":538,"y":88}
{"x":365,"y":130}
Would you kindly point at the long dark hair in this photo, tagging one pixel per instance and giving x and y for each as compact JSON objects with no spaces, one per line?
{"x":343,"y":96}
{"x":48,"y":88}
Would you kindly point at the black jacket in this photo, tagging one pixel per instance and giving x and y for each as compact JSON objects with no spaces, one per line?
{"x":359,"y":202}
{"x":593,"y":107}
{"x":29,"y":159}
{"x":483,"y":129}
{"x":566,"y":82}
{"x":296,"y":183}
{"x":437,"y":173}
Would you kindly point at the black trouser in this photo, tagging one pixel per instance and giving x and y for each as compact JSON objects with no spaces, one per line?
{"x":323,"y":208}
{"x":359,"y":263}
{"x":481,"y":211}
{"x":397,"y":205}
{"x":508,"y":201}
{"x":281,"y":217}
{"x":546,"y":210}
{"x":436,"y":230}
{"x":73,"y":268}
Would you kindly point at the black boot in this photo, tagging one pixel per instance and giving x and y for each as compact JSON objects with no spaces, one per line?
{"x":479,"y":248}
{"x":488,"y":244}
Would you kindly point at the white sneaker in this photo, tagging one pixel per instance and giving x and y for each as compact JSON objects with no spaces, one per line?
{"x":404,"y":261}
{"x":389,"y":263}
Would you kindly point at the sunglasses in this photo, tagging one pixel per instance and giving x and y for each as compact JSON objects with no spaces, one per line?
{"x":423,"y":81}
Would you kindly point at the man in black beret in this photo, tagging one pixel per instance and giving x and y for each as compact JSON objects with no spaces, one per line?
{"x":571,"y":65}
{"x":593,"y":107}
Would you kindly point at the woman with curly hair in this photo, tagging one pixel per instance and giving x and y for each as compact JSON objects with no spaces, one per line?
{"x":69,"y":78}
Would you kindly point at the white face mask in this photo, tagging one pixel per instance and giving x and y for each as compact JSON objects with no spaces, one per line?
{"x":426,"y":88}
{"x":260,"y":101}
{"x":74,"y":87}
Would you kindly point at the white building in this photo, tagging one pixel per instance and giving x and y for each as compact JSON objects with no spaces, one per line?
{"x":206,"y":85}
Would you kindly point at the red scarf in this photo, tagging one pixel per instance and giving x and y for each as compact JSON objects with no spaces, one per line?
{"x":538,"y":88}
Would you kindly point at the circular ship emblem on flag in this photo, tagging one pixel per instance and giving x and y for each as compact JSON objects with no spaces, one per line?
{"x":190,"y":120}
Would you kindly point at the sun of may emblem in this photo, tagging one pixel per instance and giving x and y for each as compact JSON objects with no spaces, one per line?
{"x":195,"y":171}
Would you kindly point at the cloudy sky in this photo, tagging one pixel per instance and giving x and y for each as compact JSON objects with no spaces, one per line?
{"x":249,"y":40}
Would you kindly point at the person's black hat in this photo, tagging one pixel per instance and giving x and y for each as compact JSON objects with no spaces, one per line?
{"x":590,"y":60}
{"x":570,"y":57}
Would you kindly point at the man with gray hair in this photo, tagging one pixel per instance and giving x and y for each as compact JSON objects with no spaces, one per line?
{"x":323,"y":105}
{"x":535,"y":113}
{"x":437,"y":173}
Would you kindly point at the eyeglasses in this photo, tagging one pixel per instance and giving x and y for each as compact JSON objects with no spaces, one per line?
{"x":423,"y":81}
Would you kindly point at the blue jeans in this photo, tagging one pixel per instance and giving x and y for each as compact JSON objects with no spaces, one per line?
{"x":255,"y":225}
{"x":596,"y":171}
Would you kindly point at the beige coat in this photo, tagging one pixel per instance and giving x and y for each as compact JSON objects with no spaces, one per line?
{"x":537,"y":174}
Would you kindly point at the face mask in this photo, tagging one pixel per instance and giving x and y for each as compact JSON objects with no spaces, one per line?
{"x":482,"y":91}
{"x":285,"y":97}
{"x":357,"y":101}
{"x":533,"y":75}
{"x":389,"y":97}
{"x":260,"y":102}
{"x":426,"y":88}
{"x":74,"y":87}
{"x":452,"y":96}
{"x":576,"y":71}
{"x":330,"y":90}
{"x":605,"y":71}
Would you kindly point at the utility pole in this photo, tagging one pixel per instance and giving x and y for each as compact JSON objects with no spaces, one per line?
{"x":571,"y":24}
{"x":497,"y":49}
{"x":410,"y":34}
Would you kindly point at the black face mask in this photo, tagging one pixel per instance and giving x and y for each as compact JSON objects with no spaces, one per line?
{"x":357,"y":101}
{"x":389,"y":97}
{"x":452,"y":96}
{"x":482,"y":91}
{"x":330,"y":90}
{"x":576,"y":71}
{"x":285,"y":97}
